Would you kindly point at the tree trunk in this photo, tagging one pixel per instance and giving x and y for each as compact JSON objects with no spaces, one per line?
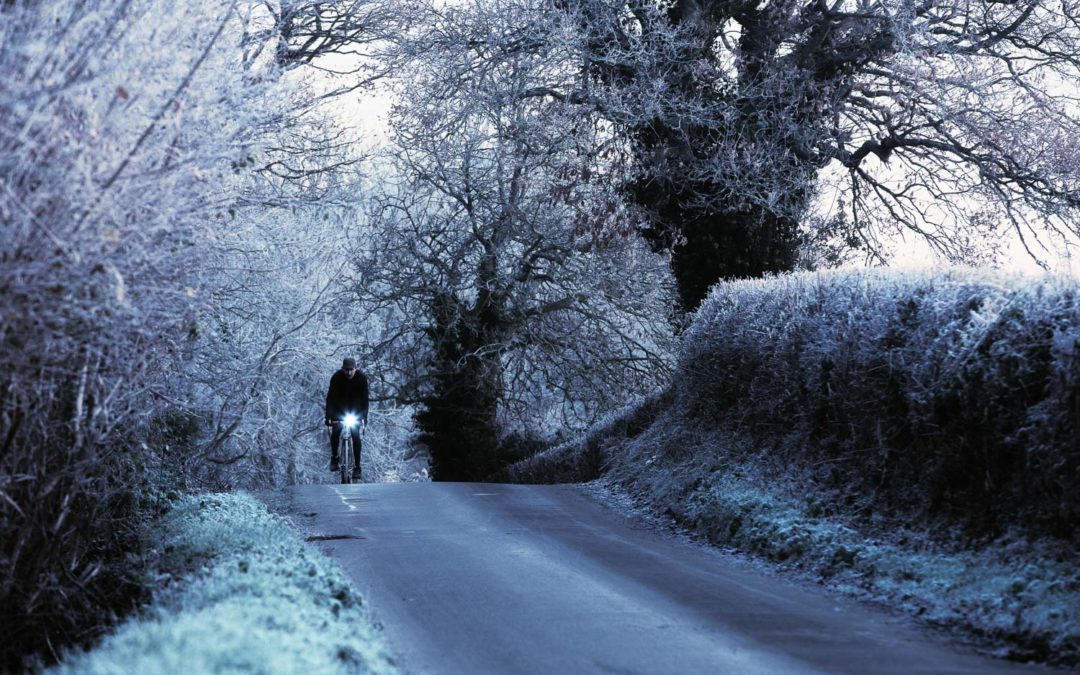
{"x":458,"y":422}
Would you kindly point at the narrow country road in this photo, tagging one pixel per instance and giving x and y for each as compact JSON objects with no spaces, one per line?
{"x":471,"y":578}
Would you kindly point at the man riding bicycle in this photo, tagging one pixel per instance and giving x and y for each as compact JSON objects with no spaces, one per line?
{"x":348,"y":393}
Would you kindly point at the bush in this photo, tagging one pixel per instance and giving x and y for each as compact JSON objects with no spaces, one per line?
{"x":586,"y":458}
{"x":72,"y":525}
{"x":954,"y":396}
{"x":120,"y":159}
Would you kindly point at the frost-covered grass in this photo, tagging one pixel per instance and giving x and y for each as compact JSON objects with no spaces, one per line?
{"x":908,"y":437}
{"x":243,"y":594}
{"x":1021,"y":591}
{"x":1018,"y":594}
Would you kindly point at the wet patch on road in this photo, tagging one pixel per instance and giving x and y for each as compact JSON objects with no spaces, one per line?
{"x":332,"y":537}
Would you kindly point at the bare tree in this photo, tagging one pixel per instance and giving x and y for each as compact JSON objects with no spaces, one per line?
{"x":500,"y":263}
{"x":348,"y":38}
{"x":265,"y":328}
{"x":937,"y":117}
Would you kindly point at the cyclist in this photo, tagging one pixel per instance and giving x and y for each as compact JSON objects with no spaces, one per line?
{"x":348,"y":393}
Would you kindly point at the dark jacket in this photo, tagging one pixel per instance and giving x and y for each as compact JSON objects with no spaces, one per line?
{"x":347,"y":396}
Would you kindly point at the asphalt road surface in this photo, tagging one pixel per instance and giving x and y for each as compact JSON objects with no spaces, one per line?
{"x":471,"y":578}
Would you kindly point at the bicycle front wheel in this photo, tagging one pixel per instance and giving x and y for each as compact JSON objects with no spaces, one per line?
{"x":346,"y":456}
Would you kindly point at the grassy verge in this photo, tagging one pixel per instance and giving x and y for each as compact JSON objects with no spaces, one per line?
{"x":240,"y":593}
{"x":1016,"y":596}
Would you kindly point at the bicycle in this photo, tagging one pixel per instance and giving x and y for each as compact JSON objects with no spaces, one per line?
{"x":346,"y":457}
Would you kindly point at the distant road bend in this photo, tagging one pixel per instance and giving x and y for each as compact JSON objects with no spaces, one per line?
{"x":504,"y":579}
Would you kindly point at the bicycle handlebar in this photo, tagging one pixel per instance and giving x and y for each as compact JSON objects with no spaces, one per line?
{"x":360,"y":423}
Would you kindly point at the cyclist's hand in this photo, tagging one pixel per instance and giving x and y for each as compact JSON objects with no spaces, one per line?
{"x":328,"y":422}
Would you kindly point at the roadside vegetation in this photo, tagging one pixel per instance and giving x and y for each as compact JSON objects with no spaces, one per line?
{"x":162,"y":321}
{"x":195,"y":227}
{"x":907,"y":436}
{"x":238,"y":591}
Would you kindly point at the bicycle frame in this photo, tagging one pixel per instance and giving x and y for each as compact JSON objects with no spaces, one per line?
{"x":346,"y":452}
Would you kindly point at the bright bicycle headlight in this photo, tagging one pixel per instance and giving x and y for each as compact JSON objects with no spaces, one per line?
{"x":350,"y":421}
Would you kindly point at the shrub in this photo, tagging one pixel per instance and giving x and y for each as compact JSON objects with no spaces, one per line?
{"x":951,"y":395}
{"x":587,"y":457}
{"x":121,"y":158}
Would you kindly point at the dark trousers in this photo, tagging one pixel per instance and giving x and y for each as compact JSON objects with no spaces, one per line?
{"x":335,"y":438}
